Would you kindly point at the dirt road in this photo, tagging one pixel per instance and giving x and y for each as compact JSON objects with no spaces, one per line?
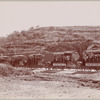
{"x":52,"y":85}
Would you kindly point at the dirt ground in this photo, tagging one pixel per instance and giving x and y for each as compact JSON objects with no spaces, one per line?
{"x":52,"y":84}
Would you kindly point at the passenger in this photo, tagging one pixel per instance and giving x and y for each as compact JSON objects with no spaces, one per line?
{"x":83,"y":62}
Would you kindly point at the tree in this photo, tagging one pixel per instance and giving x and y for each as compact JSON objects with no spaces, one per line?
{"x":81,"y":46}
{"x":24,"y":33}
{"x":51,"y":28}
{"x":2,"y":50}
{"x":69,"y":32}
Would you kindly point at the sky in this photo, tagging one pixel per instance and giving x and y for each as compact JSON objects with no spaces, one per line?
{"x":21,"y":15}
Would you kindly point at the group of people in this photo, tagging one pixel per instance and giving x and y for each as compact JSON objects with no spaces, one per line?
{"x":94,"y":59}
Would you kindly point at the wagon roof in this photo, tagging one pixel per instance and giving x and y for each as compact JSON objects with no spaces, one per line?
{"x":36,"y":55}
{"x":3,"y":56}
{"x":19,"y":56}
{"x":63,"y":52}
{"x":98,"y":50}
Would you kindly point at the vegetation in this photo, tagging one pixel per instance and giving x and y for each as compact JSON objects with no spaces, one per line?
{"x":51,"y":39}
{"x":6,"y":70}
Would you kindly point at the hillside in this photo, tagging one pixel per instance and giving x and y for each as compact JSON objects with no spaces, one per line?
{"x":38,"y":40}
{"x":2,"y":40}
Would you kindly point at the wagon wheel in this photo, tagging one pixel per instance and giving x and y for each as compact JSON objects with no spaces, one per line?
{"x":84,"y":68}
{"x":77,"y":67}
{"x":89,"y":69}
{"x":97,"y":69}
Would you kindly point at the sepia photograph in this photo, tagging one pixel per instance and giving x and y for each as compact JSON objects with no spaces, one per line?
{"x":49,"y":49}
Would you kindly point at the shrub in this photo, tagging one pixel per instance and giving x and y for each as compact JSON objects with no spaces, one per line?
{"x":23,"y":71}
{"x":6,"y":69}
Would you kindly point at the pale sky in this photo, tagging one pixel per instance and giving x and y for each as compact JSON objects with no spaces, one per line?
{"x":21,"y":15}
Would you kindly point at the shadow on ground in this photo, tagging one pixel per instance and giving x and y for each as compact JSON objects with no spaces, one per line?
{"x":84,"y":72}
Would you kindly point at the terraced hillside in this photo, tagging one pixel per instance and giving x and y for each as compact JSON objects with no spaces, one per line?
{"x":41,"y":39}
